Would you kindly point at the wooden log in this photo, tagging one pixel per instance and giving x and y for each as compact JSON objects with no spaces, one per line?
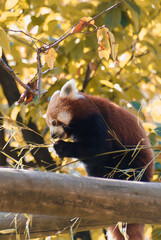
{"x":68,"y":196}
{"x":42,"y":225}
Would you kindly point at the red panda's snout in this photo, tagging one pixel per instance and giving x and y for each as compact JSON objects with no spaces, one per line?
{"x":58,"y":132}
{"x":59,"y":127}
{"x":58,"y":121}
{"x":58,"y":115}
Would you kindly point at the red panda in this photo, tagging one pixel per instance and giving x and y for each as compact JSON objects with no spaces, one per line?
{"x":108,"y":139}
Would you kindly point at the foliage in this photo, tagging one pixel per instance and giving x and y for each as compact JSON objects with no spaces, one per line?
{"x":132,"y":79}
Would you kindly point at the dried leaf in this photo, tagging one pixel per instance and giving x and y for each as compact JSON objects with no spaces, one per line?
{"x":4,"y":42}
{"x":104,"y":49}
{"x":107,"y":44}
{"x":102,"y":33}
{"x":103,"y":54}
{"x":114,"y":45}
{"x":27,"y":96}
{"x":82,"y":23}
{"x":87,"y":19}
{"x":50,"y":57}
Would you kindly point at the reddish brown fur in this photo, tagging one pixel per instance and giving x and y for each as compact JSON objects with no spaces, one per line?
{"x":82,"y":107}
{"x":134,"y":232}
{"x":117,"y":120}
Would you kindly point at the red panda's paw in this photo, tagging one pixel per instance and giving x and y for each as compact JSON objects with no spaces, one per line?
{"x":60,"y":148}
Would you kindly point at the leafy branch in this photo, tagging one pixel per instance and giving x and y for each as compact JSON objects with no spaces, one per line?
{"x":32,"y":88}
{"x":68,"y":33}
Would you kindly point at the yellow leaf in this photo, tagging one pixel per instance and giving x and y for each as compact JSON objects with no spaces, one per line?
{"x":10,"y":4}
{"x":104,"y":49}
{"x":104,"y":54}
{"x":148,"y":126}
{"x":124,"y":58}
{"x":107,"y":43}
{"x":50,"y":58}
{"x":103,"y":37}
{"x":156,"y":110}
{"x":7,"y":231}
{"x":4,"y":42}
{"x":114,"y":46}
{"x":114,"y":50}
{"x":107,"y":83}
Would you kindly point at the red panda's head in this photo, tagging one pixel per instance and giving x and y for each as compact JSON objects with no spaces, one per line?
{"x":63,"y":105}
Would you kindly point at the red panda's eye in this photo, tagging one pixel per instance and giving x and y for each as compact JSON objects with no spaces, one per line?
{"x":54,"y":123}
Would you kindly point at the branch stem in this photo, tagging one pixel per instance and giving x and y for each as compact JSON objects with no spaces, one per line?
{"x":11,"y":72}
{"x":68,"y":33}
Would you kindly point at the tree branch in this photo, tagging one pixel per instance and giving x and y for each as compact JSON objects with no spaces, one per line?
{"x":8,"y":69}
{"x":38,"y":71}
{"x":12,"y":94}
{"x":43,"y":225}
{"x":84,"y":197}
{"x":68,"y":33}
{"x":106,"y":10}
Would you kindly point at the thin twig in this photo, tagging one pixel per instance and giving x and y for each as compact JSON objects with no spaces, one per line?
{"x":68,"y":33}
{"x":38,"y":71}
{"x":106,"y":10}
{"x":44,"y":49}
{"x":88,"y":78}
{"x":27,"y":34}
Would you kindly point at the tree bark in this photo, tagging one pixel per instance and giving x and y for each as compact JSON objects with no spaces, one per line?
{"x":43,"y":225}
{"x":12,"y":94}
{"x":68,"y":196}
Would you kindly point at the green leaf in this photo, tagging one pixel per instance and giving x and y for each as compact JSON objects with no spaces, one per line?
{"x":84,"y":5}
{"x":4,"y":42}
{"x":156,"y":233}
{"x":69,"y":46}
{"x":158,"y":131}
{"x":133,"y":6}
{"x":91,"y":42}
{"x":136,"y":105}
{"x":38,"y":20}
{"x":77,"y":53}
{"x":152,"y":138}
{"x":157,"y":166}
{"x":54,"y":28}
{"x":125,"y":20}
{"x":150,"y":46}
{"x":135,"y":12}
{"x":113,"y":18}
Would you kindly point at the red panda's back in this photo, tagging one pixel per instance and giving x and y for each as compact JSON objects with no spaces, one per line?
{"x":127,"y":128}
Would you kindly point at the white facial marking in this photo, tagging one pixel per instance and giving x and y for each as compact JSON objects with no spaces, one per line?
{"x":64,"y":117}
{"x":50,"y":121}
{"x":58,"y":131}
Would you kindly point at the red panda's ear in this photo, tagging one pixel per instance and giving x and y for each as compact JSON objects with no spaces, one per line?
{"x":69,"y":90}
{"x":55,"y":93}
